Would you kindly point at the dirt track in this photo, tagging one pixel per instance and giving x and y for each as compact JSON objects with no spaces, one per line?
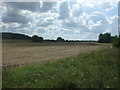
{"x":15,"y":54}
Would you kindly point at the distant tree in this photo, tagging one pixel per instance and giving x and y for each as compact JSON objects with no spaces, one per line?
{"x":59,"y":39}
{"x":40,"y":39}
{"x":6,"y":35}
{"x":35,"y":38}
{"x":105,"y":38}
{"x":66,"y":40}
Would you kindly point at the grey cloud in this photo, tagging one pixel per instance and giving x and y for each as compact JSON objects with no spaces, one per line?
{"x":114,"y":25}
{"x":14,"y":16}
{"x":94,"y":17}
{"x":70,"y":23}
{"x":45,"y":23}
{"x":67,"y":31}
{"x":76,"y":11}
{"x":64,"y":10}
{"x":31,"y":6}
{"x":12,"y":13}
{"x":41,"y":30}
{"x":97,"y":16}
{"x":46,"y":6}
{"x":107,"y":5}
{"x":74,"y":24}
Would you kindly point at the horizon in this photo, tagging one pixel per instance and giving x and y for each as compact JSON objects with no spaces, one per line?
{"x":43,"y":37}
{"x":70,"y":20}
{"x":87,"y":40}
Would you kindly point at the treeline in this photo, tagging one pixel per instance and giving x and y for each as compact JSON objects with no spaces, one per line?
{"x":103,"y":38}
{"x":14,"y":36}
{"x":35,"y":38}
{"x":107,"y":38}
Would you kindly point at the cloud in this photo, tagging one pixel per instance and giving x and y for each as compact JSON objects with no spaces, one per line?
{"x":76,"y":10}
{"x":46,"y":6}
{"x":14,"y":16}
{"x":13,"y":12}
{"x":64,"y":10}
{"x":97,"y":16}
{"x":77,"y":22}
{"x":40,"y":31}
{"x":70,"y":23}
{"x":98,"y":22}
{"x":83,"y":20}
{"x":114,"y":25}
{"x":31,"y":6}
{"x":44,"y":23}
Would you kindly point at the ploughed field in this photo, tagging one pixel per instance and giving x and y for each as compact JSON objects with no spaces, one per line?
{"x":17,"y":54}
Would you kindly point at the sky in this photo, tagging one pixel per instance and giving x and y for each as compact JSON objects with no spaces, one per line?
{"x":78,"y":20}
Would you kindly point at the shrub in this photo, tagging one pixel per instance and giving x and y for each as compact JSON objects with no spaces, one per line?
{"x":116,"y":42}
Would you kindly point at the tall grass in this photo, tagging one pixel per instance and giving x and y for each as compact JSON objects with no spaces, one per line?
{"x":95,"y":70}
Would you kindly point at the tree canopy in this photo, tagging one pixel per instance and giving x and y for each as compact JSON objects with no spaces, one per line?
{"x":35,"y":38}
{"x":59,"y":39}
{"x":105,"y":38}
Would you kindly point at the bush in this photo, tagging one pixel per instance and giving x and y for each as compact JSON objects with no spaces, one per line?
{"x":116,"y":42}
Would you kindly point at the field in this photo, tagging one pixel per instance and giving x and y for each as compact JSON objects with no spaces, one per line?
{"x":16,"y":54}
{"x":60,"y":65}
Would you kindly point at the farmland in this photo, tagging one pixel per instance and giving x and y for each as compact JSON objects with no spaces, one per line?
{"x":15,"y":54}
{"x":59,"y":65}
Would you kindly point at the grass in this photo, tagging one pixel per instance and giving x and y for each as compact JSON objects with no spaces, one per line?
{"x":95,"y":70}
